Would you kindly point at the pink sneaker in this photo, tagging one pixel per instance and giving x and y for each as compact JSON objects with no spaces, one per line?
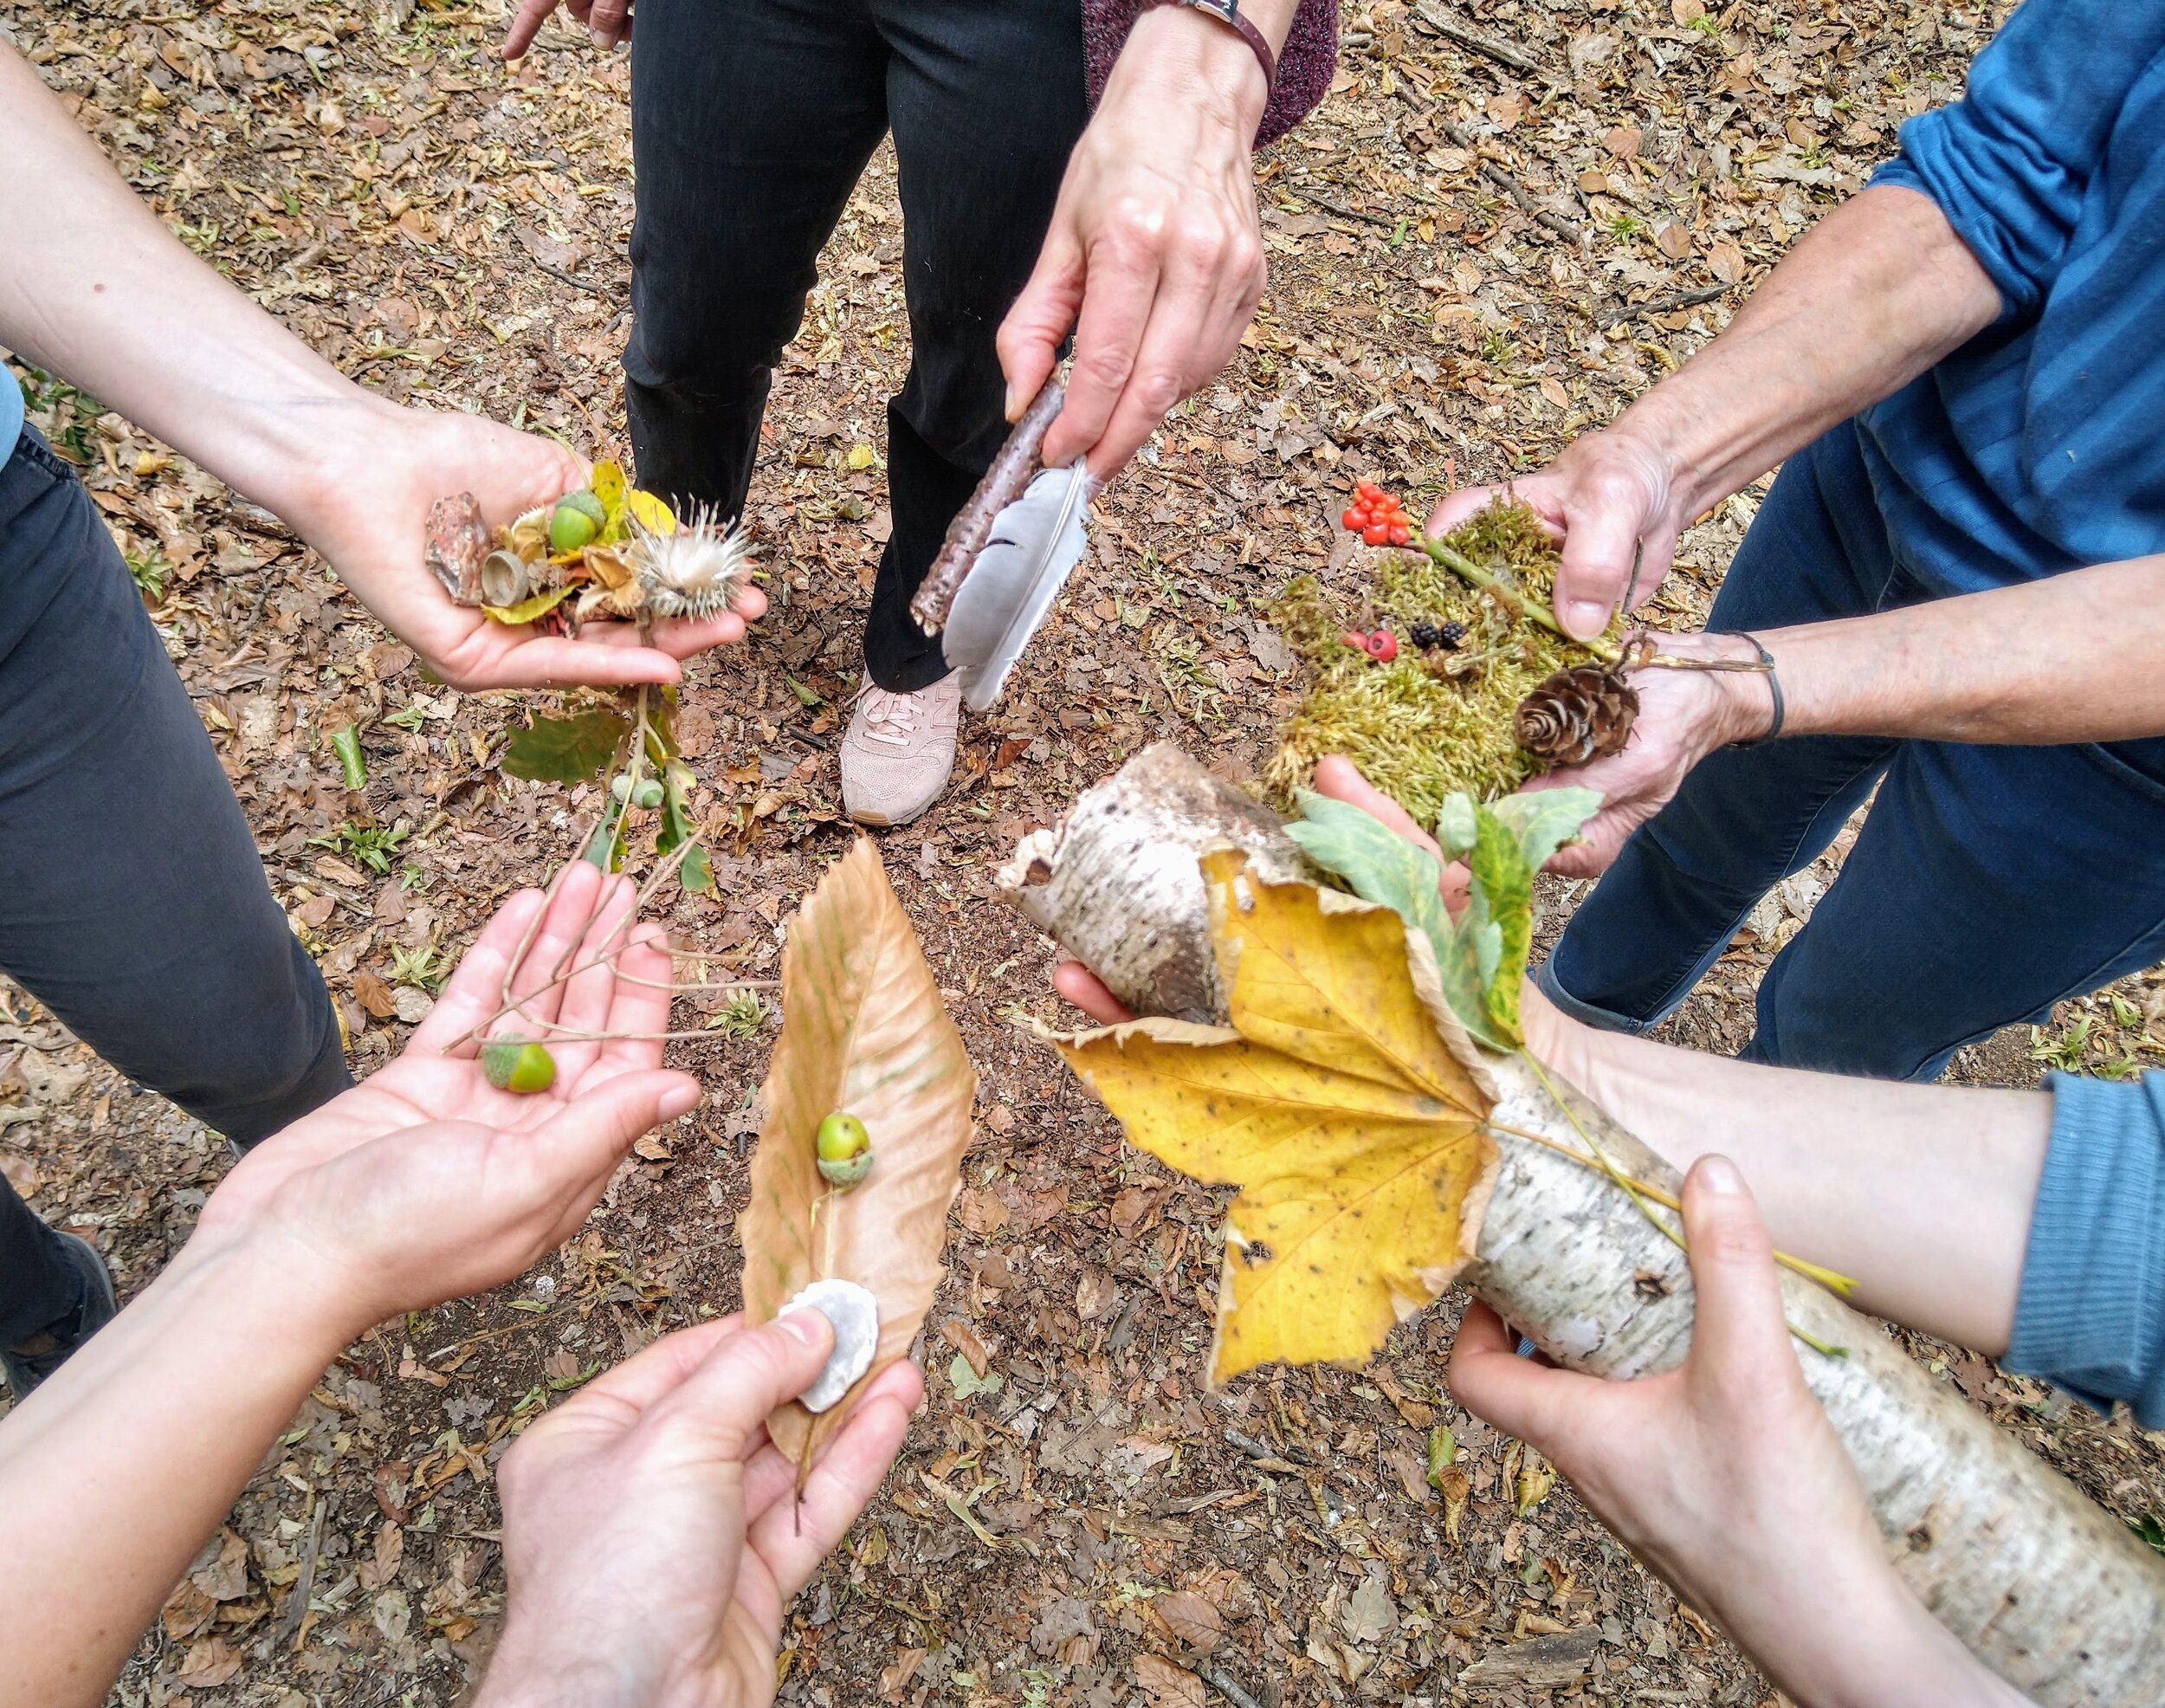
{"x":899,"y":751}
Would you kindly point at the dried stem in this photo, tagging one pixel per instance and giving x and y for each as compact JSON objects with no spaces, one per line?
{"x":1468,"y":570}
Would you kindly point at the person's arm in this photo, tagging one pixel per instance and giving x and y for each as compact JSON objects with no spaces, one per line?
{"x":421,"y":1184}
{"x":94,"y":288}
{"x":1154,"y":256}
{"x":1875,"y":293}
{"x":1725,"y":1477}
{"x":2073,"y":657}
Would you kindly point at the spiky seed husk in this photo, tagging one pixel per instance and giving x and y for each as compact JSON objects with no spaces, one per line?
{"x":1583,"y":712}
{"x":695,"y":572}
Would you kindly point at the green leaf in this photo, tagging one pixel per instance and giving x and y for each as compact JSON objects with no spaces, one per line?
{"x":347,"y":744}
{"x":570,"y":749}
{"x":967,"y":1383}
{"x":1385,"y":867}
{"x":1455,"y":827}
{"x":696,"y":874}
{"x":1512,"y":839}
{"x":1443,"y":1448}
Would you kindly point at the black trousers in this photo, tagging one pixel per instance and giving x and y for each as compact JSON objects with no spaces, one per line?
{"x":751,"y":121}
{"x":133,"y":904}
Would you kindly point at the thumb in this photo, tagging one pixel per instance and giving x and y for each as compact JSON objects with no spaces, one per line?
{"x":1600,"y":546}
{"x":1029,"y":338}
{"x":1739,"y":1329}
{"x":590,"y":1138}
{"x":727,"y":1398}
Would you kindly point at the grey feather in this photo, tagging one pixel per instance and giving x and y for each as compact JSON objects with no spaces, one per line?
{"x":1035,"y":543}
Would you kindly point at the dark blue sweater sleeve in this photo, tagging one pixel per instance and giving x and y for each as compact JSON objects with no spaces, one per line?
{"x":2008,"y":163}
{"x":2090,"y":1315}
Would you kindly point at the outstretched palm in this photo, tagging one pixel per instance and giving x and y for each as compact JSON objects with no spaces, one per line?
{"x":425,"y":1180}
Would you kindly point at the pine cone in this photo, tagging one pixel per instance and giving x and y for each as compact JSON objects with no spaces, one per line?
{"x":1581,"y":712}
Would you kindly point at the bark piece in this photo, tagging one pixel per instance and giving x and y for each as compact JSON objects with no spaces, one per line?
{"x":457,"y":544}
{"x":2047,"y":1590}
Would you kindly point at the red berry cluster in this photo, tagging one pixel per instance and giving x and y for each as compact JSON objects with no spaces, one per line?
{"x":1382,"y":645}
{"x":1377,"y":517}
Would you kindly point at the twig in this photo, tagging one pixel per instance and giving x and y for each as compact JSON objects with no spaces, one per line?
{"x":304,"y":1585}
{"x":1832,"y":1281}
{"x":1467,"y":570}
{"x":1501,"y":52}
{"x":1224,"y":1686}
{"x":572,"y":280}
{"x":1564,"y":227}
{"x":1663,"y":305}
{"x":1389,"y":222}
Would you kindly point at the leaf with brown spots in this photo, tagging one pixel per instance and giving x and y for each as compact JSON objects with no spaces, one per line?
{"x":1342,"y":1102}
{"x":862,"y":1031}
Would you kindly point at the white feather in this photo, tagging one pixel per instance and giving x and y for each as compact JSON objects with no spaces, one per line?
{"x":1035,"y":543}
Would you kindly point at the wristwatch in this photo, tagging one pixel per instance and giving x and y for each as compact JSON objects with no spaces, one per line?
{"x":1227,"y":12}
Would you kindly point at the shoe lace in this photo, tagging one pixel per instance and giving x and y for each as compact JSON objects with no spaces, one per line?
{"x":889,"y":718}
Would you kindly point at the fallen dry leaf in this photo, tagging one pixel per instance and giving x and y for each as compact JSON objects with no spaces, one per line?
{"x":1333,"y":1103}
{"x":1168,"y":1685}
{"x":1189,"y":1618}
{"x":863,"y":1030}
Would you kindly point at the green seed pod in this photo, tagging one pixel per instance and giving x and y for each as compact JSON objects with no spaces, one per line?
{"x":620,"y":785}
{"x":518,"y":1064}
{"x":651,"y":794}
{"x":577,"y":519}
{"x":845,"y":1150}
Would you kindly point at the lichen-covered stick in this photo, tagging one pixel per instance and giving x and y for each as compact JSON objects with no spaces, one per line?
{"x":2048,"y":1590}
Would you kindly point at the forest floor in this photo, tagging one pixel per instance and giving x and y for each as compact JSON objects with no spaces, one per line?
{"x":1477,"y":253}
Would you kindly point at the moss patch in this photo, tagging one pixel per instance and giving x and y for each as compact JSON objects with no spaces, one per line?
{"x":1425,"y":727}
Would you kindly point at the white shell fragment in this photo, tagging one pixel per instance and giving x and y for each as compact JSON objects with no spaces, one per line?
{"x":855,"y":1315}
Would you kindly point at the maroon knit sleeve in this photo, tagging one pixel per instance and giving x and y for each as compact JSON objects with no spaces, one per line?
{"x":1305,"y":64}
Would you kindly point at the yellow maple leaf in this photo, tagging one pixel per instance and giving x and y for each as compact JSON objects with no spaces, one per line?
{"x":1340,"y":1102}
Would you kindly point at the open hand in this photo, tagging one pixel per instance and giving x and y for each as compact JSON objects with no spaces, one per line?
{"x":1683,"y":716}
{"x":608,"y":23}
{"x":367,"y":519}
{"x":1154,"y":258}
{"x":651,"y":1540}
{"x":1611,"y":502}
{"x":424,"y":1182}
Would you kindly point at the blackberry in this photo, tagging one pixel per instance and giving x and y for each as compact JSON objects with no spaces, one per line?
{"x":1450,"y":634}
{"x":1423,"y":634}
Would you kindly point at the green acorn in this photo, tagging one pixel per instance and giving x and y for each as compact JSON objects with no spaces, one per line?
{"x":518,"y":1064}
{"x":579,"y":516}
{"x":650,"y":794}
{"x":845,"y":1150}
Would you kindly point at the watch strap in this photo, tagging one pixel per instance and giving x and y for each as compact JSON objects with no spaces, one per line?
{"x":1227,"y":12}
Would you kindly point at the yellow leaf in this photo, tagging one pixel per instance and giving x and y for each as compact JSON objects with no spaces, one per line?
{"x":650,"y":511}
{"x":608,"y":485}
{"x":1335,"y":1102}
{"x":862,"y":456}
{"x":862,"y":1031}
{"x":527,"y":610}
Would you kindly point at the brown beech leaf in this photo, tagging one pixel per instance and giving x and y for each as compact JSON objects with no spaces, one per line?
{"x":863,"y":1030}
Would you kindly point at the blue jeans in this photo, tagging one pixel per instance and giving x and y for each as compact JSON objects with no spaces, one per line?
{"x":133,"y":904}
{"x":1988,"y":882}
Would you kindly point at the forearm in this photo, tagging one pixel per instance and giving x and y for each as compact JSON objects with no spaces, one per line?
{"x":2074,"y":658}
{"x":1878,"y":291}
{"x":1923,"y":1193}
{"x":93,"y":288}
{"x":1176,"y":53}
{"x":114,"y":1471}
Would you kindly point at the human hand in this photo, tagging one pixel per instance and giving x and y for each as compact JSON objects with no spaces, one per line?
{"x":1154,"y":258}
{"x":424,"y":1182}
{"x":1725,"y":1475}
{"x":366,"y":513}
{"x":608,"y":23}
{"x":1611,"y":500}
{"x":1683,"y":716}
{"x":650,"y":1537}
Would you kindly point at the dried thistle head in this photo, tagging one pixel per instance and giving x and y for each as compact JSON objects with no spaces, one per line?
{"x":695,"y":572}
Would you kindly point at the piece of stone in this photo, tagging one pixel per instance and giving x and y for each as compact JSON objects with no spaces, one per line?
{"x":855,"y":1315}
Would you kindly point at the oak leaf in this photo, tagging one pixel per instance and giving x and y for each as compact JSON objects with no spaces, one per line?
{"x":863,"y":1030}
{"x":1344,"y":1101}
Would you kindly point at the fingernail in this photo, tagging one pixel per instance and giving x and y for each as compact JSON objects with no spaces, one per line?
{"x":600,"y":37}
{"x":1719,"y":1174}
{"x":1585,"y":618}
{"x":806,"y":1325}
{"x":1013,"y":403}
